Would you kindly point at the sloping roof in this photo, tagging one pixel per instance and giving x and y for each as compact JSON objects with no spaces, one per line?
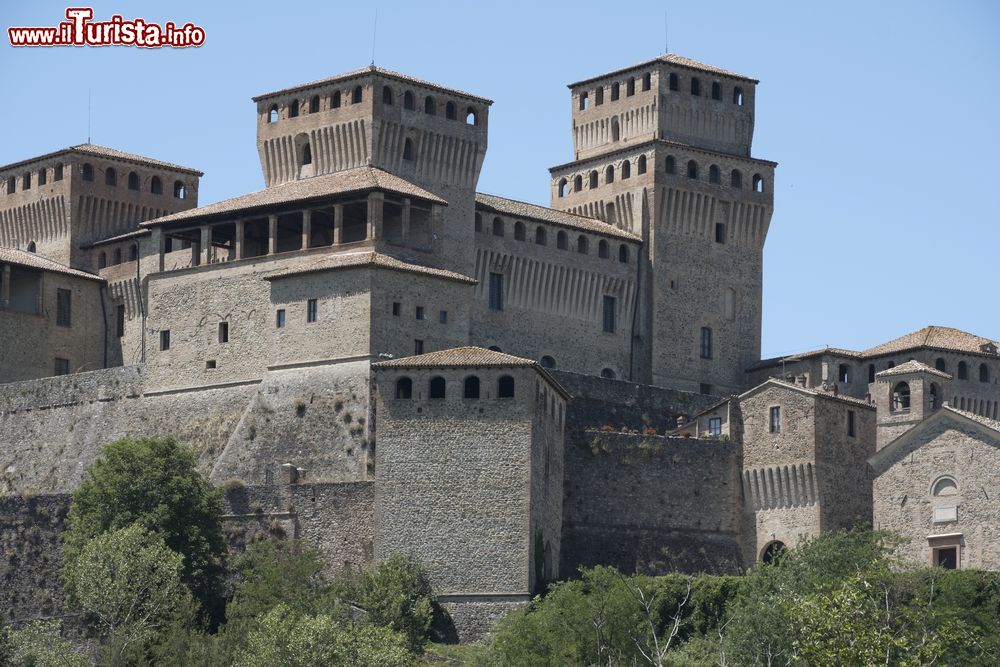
{"x":361,"y":179}
{"x":369,"y":258}
{"x":115,"y":239}
{"x":985,"y":421}
{"x":458,"y":357}
{"x":672,"y":59}
{"x":945,"y":338}
{"x":799,"y":356}
{"x":806,"y":390}
{"x":372,"y":69}
{"x":34,"y":261}
{"x":912,"y":366}
{"x":520,"y":209}
{"x":104,"y":151}
{"x":884,"y":458}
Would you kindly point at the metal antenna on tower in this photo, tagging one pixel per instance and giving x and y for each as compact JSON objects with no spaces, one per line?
{"x":88,"y":115}
{"x":374,"y":32}
{"x":666,"y":41}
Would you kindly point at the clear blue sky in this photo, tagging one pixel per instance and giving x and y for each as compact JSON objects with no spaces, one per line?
{"x":882,"y":116}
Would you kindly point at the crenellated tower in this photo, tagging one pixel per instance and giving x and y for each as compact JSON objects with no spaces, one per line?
{"x":662,"y":149}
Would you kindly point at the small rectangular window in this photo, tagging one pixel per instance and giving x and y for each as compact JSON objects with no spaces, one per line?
{"x":120,"y":321}
{"x":720,"y":232}
{"x":279,"y":319}
{"x":396,"y":308}
{"x":165,"y":340}
{"x":850,"y":423}
{"x":64,"y":310}
{"x":418,"y":346}
{"x":62,"y":366}
{"x":705,"y":389}
{"x":443,"y":317}
{"x":210,"y":364}
{"x":610,"y":306}
{"x":312,"y":310}
{"x":496,"y":291}
{"x":223,"y":332}
{"x":775,"y":422}
{"x":420,"y":312}
{"x":715,"y":426}
{"x":706,"y":343}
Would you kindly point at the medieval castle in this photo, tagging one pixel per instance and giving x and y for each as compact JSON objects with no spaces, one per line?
{"x":378,"y":358}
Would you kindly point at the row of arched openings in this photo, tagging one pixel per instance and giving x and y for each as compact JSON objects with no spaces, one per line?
{"x":624,"y":172}
{"x":116,"y":256}
{"x":673,"y":82}
{"x":437,"y":387}
{"x":336,"y":101}
{"x":963,"y":370}
{"x":695,"y":89}
{"x":41,"y":177}
{"x":111,"y":179}
{"x":541,"y":237}
{"x":430,"y":105}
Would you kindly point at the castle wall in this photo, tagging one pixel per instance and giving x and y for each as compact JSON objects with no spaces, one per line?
{"x":42,"y":214}
{"x":844,"y":483}
{"x":651,"y":504}
{"x":396,"y":334}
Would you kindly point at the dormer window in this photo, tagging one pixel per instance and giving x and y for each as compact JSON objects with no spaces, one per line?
{"x":988,"y":348}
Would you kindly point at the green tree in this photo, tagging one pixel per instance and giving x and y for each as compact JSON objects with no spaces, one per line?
{"x":129,"y":582}
{"x":154,"y":482}
{"x":39,"y":644}
{"x":287,"y":639}
{"x":272,"y":572}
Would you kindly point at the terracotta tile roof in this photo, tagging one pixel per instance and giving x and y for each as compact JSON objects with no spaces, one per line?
{"x":945,"y":338}
{"x":115,"y":239}
{"x":808,"y":390}
{"x":34,"y":261}
{"x":369,"y":258}
{"x":458,"y":357}
{"x":520,"y":209}
{"x":372,"y":69}
{"x":912,"y":366}
{"x":985,"y":421}
{"x":835,"y":351}
{"x":361,"y":179}
{"x":104,"y":151}
{"x":672,"y":59}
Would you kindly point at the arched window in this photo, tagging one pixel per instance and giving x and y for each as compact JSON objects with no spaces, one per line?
{"x":647,"y":81}
{"x":713,"y":174}
{"x":479,"y":222}
{"x":156,"y":186}
{"x":116,"y":257}
{"x":695,"y":86}
{"x":607,"y":374}
{"x":449,"y":111}
{"x":984,"y":373}
{"x":630,"y":88}
{"x":593,"y":179}
{"x":470,"y":117}
{"x":42,"y":176}
{"x":716,"y":91}
{"x":87,"y":172}
{"x":430,"y":107}
{"x":471,"y":387}
{"x":335,"y":100}
{"x":640,"y":165}
{"x":180,"y":192}
{"x":408,"y":101}
{"x":495,"y":348}
{"x":692,"y":169}
{"x":871,"y":373}
{"x":706,"y":342}
{"x":626,"y":169}
{"x":614,"y":91}
{"x":505,"y":387}
{"x":437,"y":387}
{"x":933,"y":398}
{"x":540,"y":236}
{"x":387,"y":95}
{"x":133,"y":181}
{"x":582,"y":245}
{"x":738,"y":96}
{"x":307,"y":156}
{"x":57,"y":173}
{"x":497,"y":227}
{"x":102,"y":260}
{"x":736,"y":179}
{"x":623,"y":254}
{"x":602,"y":249}
{"x":293,"y":109}
{"x":404,"y":388}
{"x":844,"y":374}
{"x":773,"y":553}
{"x":356,"y":95}
{"x":519,"y":233}
{"x":562,"y":187}
{"x":758,"y":183}
{"x":110,"y":177}
{"x":901,"y":397}
{"x":674,"y":84}
{"x":133,"y":252}
{"x":599,"y":96}
{"x":671,"y":165}
{"x":562,"y":240}
{"x":941,"y":365}
{"x":31,"y":247}
{"x":963,"y":371}
{"x":272,"y":115}
{"x":314,"y":104}
{"x":609,"y":174}
{"x":408,"y":149}
{"x":946,"y":486}
{"x":577,"y":183}
{"x":729,"y":303}
{"x":547,"y":362}
{"x":615,"y":130}
{"x":26,"y":181}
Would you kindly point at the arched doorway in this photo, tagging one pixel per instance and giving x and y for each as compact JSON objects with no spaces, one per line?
{"x":773,"y":552}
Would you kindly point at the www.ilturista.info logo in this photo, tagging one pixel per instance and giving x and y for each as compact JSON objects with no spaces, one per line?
{"x":80,"y":30}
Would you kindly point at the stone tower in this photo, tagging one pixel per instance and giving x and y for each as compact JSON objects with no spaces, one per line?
{"x":429,"y":135}
{"x":662,"y":149}
{"x":905,"y":395}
